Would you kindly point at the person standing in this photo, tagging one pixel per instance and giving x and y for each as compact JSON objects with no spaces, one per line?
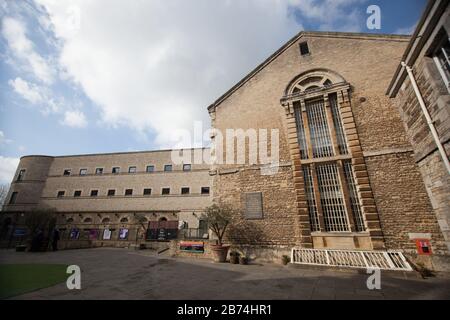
{"x":55,"y":238}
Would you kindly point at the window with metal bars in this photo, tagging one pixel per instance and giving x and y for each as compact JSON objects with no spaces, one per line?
{"x":337,"y":121}
{"x":442,"y":59}
{"x":354,"y":197}
{"x":300,"y":131}
{"x":310,"y":199}
{"x":331,"y":198}
{"x":319,"y":130}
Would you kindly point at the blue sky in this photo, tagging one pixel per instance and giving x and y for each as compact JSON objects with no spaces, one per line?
{"x":103,"y":76}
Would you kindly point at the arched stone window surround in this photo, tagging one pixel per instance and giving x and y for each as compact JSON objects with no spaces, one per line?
{"x":318,"y":78}
{"x":87,"y":220}
{"x":329,"y":90}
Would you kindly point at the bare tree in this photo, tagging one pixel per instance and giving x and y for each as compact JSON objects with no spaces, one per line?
{"x":4,"y":188}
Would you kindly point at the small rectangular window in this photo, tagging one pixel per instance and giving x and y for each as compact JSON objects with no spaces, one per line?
{"x":185,"y":190}
{"x":304,"y":48}
{"x":99,"y":171}
{"x":205,"y":190}
{"x":150,"y":169}
{"x":132,"y":169}
{"x":165,"y":191}
{"x":67,"y":172}
{"x":61,"y":194}
{"x":21,"y":175}
{"x":147,"y":192}
{"x":83,"y":172}
{"x":94,"y":193}
{"x":168,"y":168}
{"x":187,"y":167}
{"x":116,"y":170}
{"x":13,"y":198}
{"x":77,"y":194}
{"x":111,"y":193}
{"x":129,"y":192}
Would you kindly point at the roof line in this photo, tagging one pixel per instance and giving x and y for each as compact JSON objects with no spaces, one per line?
{"x":290,"y":42}
{"x":112,"y":153}
{"x":417,"y":42}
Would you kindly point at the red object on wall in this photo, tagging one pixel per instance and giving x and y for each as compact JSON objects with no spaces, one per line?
{"x":423,"y":246}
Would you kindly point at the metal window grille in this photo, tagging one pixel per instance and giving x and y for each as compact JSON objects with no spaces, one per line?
{"x":354,"y":198}
{"x":340,"y":135}
{"x":318,"y":126}
{"x":311,"y":201}
{"x":300,"y":131}
{"x":331,"y":198}
{"x":442,"y":60}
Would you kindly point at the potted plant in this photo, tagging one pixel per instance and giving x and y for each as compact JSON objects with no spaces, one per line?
{"x":234,"y":257}
{"x":285,"y":260}
{"x":218,"y":218}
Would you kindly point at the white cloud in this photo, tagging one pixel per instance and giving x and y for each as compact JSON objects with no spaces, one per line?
{"x":406,"y":31}
{"x":14,"y":31}
{"x":333,"y":15}
{"x":8,"y":167}
{"x":28,"y":91}
{"x":75,"y":119}
{"x":156,"y":65}
{"x":36,"y":95}
{"x":3,"y":139}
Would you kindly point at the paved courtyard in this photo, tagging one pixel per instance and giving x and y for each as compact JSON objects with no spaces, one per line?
{"x":108,"y":273}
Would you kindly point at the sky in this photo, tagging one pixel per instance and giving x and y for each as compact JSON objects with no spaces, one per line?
{"x":99,"y":76}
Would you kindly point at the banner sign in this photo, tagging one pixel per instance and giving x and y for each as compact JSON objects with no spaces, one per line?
{"x":106,"y":234}
{"x":123,"y":234}
{"x":93,"y":234}
{"x":74,"y":234}
{"x":192,"y":246}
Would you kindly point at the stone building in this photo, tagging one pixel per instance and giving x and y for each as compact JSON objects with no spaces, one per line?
{"x":347,"y":176}
{"x":117,"y":199}
{"x":427,"y":59}
{"x":357,"y":169}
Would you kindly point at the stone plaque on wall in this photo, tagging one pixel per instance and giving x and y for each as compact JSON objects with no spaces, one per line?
{"x":253,"y":205}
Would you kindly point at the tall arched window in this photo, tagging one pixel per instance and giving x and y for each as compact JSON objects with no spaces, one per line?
{"x":332,"y":198}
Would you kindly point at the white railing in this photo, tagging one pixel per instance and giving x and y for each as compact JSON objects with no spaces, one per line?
{"x":385,"y":260}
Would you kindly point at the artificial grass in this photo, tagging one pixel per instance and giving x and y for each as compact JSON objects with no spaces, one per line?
{"x":17,"y":279}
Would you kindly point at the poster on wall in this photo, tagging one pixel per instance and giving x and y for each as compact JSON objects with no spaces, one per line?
{"x":192,"y":246}
{"x":123,"y":234}
{"x":74,"y":234}
{"x":93,"y":234}
{"x":106,"y":234}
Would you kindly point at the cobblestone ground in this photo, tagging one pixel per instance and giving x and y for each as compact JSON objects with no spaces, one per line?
{"x":108,"y":273}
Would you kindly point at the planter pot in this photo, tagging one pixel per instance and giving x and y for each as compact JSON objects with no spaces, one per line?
{"x":234,"y":259}
{"x":243,"y":260}
{"x":220,"y":252}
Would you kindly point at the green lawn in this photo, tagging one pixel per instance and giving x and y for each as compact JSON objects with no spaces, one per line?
{"x":16,"y":279}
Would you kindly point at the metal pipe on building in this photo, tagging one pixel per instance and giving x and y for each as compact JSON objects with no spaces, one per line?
{"x":427,"y":116}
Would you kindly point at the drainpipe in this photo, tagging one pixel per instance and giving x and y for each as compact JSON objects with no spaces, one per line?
{"x":427,"y":116}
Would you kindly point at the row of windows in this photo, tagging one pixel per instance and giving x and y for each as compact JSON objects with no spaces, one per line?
{"x":129,"y":192}
{"x":131,"y":169}
{"x":114,"y":170}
